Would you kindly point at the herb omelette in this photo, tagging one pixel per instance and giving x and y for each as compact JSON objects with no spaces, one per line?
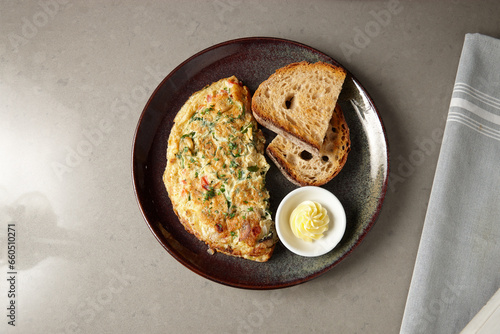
{"x":216,"y":169}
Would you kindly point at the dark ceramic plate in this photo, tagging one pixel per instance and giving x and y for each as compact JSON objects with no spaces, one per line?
{"x":360,"y":186}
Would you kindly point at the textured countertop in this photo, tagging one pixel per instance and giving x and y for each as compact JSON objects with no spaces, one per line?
{"x":74,"y":78}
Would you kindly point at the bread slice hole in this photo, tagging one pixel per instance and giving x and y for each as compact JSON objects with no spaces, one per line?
{"x":288,"y":101}
{"x":304,"y":155}
{"x":324,"y":158}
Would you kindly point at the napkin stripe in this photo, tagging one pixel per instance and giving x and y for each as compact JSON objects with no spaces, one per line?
{"x":485,"y":98}
{"x":459,"y":106}
{"x":474,"y":125}
{"x":474,"y":109}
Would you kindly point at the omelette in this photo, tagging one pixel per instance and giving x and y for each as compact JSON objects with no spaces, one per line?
{"x":216,"y":170}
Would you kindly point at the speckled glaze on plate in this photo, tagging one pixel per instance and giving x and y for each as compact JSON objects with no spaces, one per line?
{"x":360,"y":186}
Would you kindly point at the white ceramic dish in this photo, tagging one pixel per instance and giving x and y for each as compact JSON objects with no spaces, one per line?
{"x":331,"y":237}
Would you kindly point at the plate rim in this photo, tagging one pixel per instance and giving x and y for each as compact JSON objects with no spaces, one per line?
{"x":158,"y":233}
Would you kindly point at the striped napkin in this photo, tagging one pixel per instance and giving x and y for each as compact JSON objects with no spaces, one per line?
{"x":457,"y":269}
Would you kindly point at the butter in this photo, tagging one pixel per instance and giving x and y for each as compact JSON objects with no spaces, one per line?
{"x":309,"y":220}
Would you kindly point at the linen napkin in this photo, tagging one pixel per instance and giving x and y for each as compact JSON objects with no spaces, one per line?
{"x":457,"y":269}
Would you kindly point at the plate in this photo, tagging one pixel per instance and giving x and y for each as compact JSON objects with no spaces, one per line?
{"x":360,"y":186}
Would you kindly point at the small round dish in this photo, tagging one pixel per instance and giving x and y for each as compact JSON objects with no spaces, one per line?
{"x":336,"y":227}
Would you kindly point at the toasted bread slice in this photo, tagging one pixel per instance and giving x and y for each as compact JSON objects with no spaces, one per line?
{"x":303,"y":168}
{"x":298,"y":100}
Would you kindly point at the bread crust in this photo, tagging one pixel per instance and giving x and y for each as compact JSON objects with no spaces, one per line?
{"x":298,"y":100}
